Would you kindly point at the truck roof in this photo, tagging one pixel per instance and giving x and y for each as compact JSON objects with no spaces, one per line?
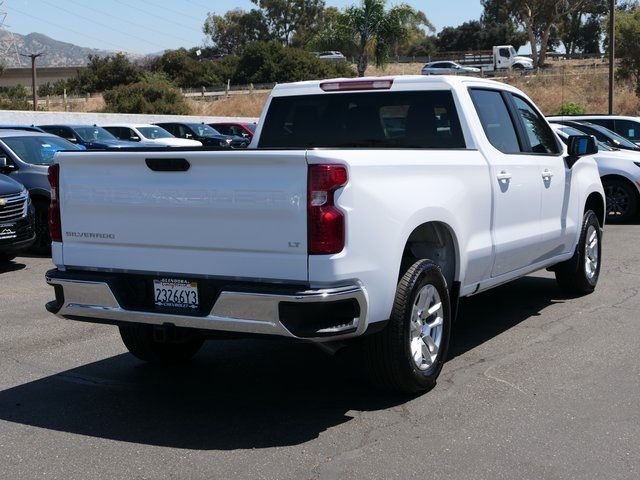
{"x":400,"y":82}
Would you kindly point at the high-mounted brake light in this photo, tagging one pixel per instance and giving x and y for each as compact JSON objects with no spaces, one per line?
{"x":55,"y":225}
{"x":348,"y":85}
{"x":325,"y":221}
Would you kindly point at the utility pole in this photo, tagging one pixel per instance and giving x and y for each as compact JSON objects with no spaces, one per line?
{"x":612,"y":51}
{"x":34,"y":87}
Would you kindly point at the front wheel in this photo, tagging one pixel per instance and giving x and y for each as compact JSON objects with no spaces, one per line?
{"x":42,"y":245}
{"x":159,"y":346}
{"x":579,"y":274}
{"x":6,"y":258}
{"x":621,"y":199}
{"x":409,"y":353}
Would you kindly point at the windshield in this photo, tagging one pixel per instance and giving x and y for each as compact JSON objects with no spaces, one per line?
{"x":38,"y":150}
{"x":252,"y":127}
{"x":154,"y":132}
{"x":619,"y":139}
{"x":574,"y":131}
{"x":203,"y":130}
{"x":94,"y":134}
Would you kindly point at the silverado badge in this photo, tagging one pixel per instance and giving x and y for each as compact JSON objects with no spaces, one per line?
{"x":3,"y":202}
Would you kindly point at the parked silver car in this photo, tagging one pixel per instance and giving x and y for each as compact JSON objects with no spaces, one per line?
{"x":448,"y":68}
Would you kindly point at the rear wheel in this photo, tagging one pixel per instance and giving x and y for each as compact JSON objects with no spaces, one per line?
{"x":580,"y":274}
{"x":409,"y":353}
{"x":158,"y":345}
{"x":622,"y":200}
{"x":42,"y":245}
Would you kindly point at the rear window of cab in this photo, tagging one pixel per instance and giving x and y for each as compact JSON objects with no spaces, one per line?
{"x":422,"y":119}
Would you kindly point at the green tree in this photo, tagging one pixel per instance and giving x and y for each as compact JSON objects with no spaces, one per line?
{"x":154,"y":97}
{"x":103,"y":73}
{"x":498,"y":26}
{"x":628,"y":46}
{"x":419,"y":39}
{"x":290,"y":18}
{"x":231,"y":32}
{"x":272,"y":62}
{"x":369,"y":31}
{"x":581,"y":29}
{"x":541,"y":20}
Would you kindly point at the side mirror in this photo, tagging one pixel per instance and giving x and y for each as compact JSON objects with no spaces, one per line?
{"x":72,"y":139}
{"x":188,"y":135}
{"x":134,"y":138}
{"x":579,"y":146}
{"x":5,"y":166}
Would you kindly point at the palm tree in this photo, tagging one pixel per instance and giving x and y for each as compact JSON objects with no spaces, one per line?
{"x":369,"y":31}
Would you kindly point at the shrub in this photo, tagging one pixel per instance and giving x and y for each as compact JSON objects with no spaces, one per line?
{"x":15,"y":98}
{"x":154,"y":97}
{"x":271,"y":62}
{"x":571,"y":108}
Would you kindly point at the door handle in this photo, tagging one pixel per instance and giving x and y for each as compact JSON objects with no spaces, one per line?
{"x":504,"y":176}
{"x":547,"y":174}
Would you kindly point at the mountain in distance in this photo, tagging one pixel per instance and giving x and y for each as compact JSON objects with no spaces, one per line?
{"x":56,"y":53}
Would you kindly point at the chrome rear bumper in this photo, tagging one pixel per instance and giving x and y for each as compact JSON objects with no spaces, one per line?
{"x":233,"y":311}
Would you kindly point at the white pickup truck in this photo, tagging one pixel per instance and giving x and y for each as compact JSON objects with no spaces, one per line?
{"x":363,"y":208}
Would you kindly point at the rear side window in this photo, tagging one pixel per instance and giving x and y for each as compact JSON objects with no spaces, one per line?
{"x":366,"y":120}
{"x":496,"y":121}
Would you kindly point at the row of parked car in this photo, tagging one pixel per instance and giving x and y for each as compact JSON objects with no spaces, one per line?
{"x":618,"y":157}
{"x":26,"y":151}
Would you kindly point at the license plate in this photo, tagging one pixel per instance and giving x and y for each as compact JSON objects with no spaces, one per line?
{"x":170,"y":292}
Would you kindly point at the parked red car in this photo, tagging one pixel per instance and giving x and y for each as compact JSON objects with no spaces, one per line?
{"x":242,"y":129}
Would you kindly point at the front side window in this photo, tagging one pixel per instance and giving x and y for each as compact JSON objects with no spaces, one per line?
{"x":541,"y":137}
{"x":496,"y":121}
{"x":94,"y":134}
{"x":421,"y":119}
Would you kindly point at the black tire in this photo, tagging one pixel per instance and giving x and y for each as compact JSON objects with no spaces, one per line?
{"x":146,"y":344}
{"x":388,"y":353}
{"x":6,"y":258}
{"x":42,"y":245}
{"x":572,"y":275}
{"x":622,"y":200}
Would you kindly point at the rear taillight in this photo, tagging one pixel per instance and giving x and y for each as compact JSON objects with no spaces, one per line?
{"x":55,"y":226}
{"x":325,"y":222}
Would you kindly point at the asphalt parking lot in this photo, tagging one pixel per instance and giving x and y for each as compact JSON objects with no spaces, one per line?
{"x":538,"y":386}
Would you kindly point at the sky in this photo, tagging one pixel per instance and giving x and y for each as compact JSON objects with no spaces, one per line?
{"x":149,"y":26}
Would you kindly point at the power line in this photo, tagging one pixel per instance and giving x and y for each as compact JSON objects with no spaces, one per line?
{"x":150,"y":14}
{"x":65,"y":28}
{"x":200,"y":4}
{"x":101,"y":24}
{"x":177,"y":12}
{"x":159,"y":32}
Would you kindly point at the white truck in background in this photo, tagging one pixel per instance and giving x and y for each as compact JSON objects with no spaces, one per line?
{"x":490,"y":62}
{"x":362,"y":211}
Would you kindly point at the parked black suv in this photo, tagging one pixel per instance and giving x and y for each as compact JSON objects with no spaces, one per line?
{"x":208,"y":136}
{"x":16,"y":218}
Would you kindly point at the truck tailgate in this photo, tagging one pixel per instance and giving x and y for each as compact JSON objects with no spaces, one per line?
{"x":238,"y":214}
